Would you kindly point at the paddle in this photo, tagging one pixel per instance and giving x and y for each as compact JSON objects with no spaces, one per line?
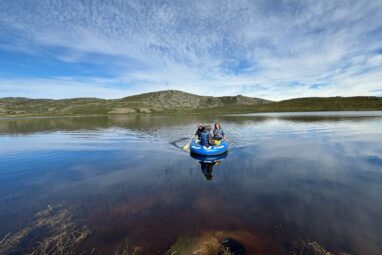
{"x":187,"y":146}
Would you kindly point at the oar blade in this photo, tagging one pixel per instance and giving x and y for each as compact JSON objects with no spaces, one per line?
{"x":186,"y":147}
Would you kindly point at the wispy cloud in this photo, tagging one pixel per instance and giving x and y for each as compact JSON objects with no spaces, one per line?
{"x":272,"y":49}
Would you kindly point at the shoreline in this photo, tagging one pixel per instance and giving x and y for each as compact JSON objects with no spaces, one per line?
{"x":245,"y":113}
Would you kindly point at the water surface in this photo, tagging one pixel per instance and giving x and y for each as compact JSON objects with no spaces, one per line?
{"x":315,"y":177}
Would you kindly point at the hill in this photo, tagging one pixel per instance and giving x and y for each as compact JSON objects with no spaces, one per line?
{"x":313,"y":104}
{"x":155,"y":102}
{"x":173,"y":101}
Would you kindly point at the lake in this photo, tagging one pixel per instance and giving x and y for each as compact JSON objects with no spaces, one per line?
{"x":291,"y":182}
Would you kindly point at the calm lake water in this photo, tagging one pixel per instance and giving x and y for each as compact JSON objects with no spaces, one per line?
{"x":287,"y":177}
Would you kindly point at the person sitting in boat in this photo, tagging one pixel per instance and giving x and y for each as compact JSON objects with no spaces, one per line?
{"x":199,"y":131}
{"x":206,"y":137}
{"x":218,"y":132}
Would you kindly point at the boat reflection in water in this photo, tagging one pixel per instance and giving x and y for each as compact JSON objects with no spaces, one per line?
{"x":208,"y":162}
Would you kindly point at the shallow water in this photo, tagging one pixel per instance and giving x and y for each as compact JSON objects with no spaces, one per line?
{"x":315,"y":177}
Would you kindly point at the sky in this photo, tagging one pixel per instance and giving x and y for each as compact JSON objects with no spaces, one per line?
{"x":111,"y":49}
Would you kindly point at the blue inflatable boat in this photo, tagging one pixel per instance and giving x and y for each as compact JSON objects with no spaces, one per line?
{"x":196,"y":148}
{"x":209,"y":159}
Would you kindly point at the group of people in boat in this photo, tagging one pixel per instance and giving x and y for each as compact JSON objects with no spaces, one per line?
{"x":206,"y":138}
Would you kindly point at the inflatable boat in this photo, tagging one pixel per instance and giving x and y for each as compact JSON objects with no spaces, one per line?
{"x":209,"y":159}
{"x":217,"y":149}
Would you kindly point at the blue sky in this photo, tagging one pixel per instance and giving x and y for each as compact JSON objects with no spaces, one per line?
{"x":111,"y":49}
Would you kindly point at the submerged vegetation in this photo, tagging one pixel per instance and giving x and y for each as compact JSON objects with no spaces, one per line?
{"x":54,"y":231}
{"x":241,"y":242}
{"x":125,"y":249}
{"x":51,"y":231}
{"x":172,"y":102}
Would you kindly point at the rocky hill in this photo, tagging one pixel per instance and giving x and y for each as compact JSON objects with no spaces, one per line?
{"x":171,"y":99}
{"x":154,"y":102}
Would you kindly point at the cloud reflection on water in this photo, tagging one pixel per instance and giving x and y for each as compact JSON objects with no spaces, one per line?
{"x":320,"y":179}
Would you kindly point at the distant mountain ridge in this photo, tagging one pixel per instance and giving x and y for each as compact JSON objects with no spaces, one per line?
{"x":180,"y":99}
{"x":174,"y":101}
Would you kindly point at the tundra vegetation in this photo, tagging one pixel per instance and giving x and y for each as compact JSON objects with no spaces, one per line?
{"x":175,"y":102}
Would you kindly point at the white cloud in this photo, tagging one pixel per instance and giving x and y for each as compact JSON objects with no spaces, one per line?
{"x":259,"y":48}
{"x":62,"y":87}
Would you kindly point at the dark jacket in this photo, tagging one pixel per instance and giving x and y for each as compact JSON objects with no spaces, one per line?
{"x":206,"y":139}
{"x":199,"y":132}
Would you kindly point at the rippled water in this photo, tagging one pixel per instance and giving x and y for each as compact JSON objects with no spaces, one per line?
{"x":287,"y":177}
